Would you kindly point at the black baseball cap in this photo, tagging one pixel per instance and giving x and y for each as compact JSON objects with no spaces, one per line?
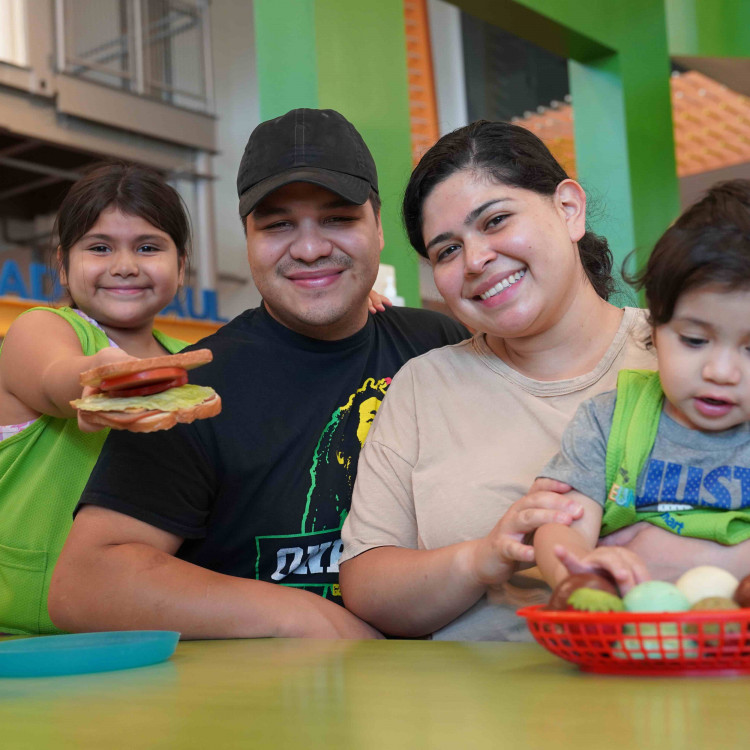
{"x":319,"y":146}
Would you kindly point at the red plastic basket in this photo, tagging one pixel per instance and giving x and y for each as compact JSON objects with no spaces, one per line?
{"x":639,"y":643}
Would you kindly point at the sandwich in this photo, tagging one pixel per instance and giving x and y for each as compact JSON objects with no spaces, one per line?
{"x":145,"y":395}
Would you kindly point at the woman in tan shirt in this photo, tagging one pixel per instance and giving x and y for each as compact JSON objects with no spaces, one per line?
{"x":442,"y":502}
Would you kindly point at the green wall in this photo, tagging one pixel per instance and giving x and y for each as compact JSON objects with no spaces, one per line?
{"x":348,"y":56}
{"x":286,"y":55}
{"x":709,"y":28}
{"x":619,"y":80}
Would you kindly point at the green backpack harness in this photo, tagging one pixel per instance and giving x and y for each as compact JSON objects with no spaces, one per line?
{"x":634,"y":426}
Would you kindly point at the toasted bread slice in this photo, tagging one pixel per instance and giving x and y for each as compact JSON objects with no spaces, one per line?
{"x":185,"y":360}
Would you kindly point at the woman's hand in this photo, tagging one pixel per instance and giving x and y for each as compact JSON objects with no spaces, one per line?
{"x":627,"y":568}
{"x":413,"y":592}
{"x":496,"y":555}
{"x":378,"y":302}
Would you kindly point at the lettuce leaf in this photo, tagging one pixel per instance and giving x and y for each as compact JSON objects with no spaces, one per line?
{"x":175,"y":398}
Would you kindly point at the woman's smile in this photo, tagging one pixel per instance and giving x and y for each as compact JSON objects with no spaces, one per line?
{"x":499,"y":286}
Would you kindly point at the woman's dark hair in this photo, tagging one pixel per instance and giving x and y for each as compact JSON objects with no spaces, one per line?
{"x":507,"y":154}
{"x":132,"y":189}
{"x":708,"y":245}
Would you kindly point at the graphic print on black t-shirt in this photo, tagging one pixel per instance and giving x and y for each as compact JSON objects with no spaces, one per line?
{"x":310,"y":559}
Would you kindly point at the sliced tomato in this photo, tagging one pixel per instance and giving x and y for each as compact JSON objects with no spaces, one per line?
{"x":148,"y":390}
{"x":145,"y":383}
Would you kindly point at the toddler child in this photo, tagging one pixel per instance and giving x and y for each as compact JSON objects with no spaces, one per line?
{"x":670,"y":448}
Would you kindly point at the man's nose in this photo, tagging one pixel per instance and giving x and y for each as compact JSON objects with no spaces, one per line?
{"x":310,"y":244}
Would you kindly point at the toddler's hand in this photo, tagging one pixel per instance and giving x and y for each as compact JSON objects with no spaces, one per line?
{"x":624,"y":566}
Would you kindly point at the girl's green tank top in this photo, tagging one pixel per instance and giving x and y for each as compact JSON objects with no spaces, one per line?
{"x":43,"y":470}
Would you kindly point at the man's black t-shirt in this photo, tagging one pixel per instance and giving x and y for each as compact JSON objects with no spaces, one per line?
{"x":262,"y":490}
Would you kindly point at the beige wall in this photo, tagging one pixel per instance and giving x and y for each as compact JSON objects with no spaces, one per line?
{"x":236,"y":94}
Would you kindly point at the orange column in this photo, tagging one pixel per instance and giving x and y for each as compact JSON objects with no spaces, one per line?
{"x":422,"y":104}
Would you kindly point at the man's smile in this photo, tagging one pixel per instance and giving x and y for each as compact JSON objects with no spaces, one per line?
{"x":316,"y":279}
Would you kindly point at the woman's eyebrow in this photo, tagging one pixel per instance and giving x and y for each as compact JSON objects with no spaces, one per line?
{"x":438,"y":238}
{"x":470,"y":218}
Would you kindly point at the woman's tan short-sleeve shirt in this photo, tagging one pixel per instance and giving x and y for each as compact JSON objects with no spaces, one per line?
{"x":459,"y":437}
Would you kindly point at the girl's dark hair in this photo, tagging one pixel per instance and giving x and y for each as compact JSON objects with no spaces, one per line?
{"x":132,"y":189}
{"x":708,"y":244}
{"x":507,"y":154}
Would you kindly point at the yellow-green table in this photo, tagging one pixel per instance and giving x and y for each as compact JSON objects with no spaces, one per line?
{"x":370,"y":694}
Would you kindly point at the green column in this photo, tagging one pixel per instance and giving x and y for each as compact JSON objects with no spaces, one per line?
{"x":348,"y":56}
{"x":362,"y":73}
{"x":619,"y":78}
{"x":715,"y":28}
{"x":286,"y":57}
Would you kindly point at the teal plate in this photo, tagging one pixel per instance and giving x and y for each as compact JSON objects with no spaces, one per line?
{"x":80,"y":653}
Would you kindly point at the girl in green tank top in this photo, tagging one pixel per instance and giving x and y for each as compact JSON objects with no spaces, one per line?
{"x":123,"y":245}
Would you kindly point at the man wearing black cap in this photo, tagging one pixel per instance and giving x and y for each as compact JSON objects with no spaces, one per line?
{"x":191,"y":529}
{"x":311,"y":165}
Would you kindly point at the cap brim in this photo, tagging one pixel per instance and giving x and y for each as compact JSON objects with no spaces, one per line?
{"x":350,"y":188}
